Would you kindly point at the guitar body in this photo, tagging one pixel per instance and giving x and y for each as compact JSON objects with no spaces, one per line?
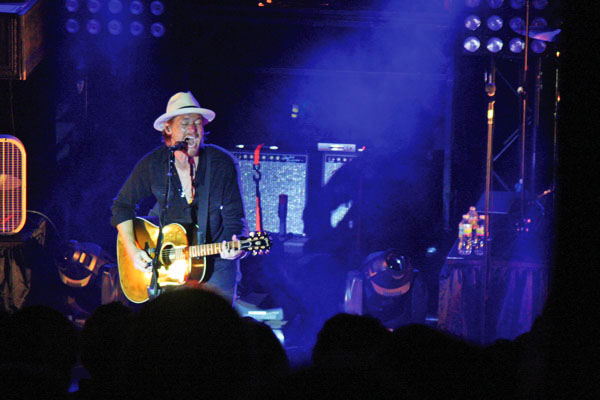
{"x":176,"y":267}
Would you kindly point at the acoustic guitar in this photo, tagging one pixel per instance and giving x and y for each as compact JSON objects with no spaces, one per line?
{"x":178,"y":261}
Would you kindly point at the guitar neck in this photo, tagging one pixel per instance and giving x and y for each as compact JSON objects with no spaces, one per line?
{"x":210,"y":249}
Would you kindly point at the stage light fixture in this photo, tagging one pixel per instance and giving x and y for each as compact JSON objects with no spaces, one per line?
{"x":136,"y":7}
{"x":538,"y":46}
{"x":115,"y":6}
{"x":93,"y":6}
{"x":157,"y":8}
{"x":472,"y":22}
{"x":115,"y":27}
{"x":517,"y":24}
{"x":539,"y":4}
{"x":72,"y":5}
{"x":517,"y":4}
{"x":539,"y":23}
{"x":72,"y":26}
{"x":495,"y":3}
{"x":472,"y":3}
{"x":157,"y":29}
{"x":494,"y":44}
{"x":93,"y":26}
{"x":471,"y":44}
{"x":136,"y":28}
{"x":495,"y":23}
{"x":516,"y":45}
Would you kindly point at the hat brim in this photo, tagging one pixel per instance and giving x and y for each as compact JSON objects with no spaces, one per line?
{"x":207,"y":114}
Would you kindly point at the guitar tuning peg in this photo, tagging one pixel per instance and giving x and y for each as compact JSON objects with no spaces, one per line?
{"x":260,"y":252}
{"x":253,"y":252}
{"x":251,"y":233}
{"x":266,"y":251}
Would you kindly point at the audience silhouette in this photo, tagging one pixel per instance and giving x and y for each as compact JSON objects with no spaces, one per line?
{"x":190,"y":343}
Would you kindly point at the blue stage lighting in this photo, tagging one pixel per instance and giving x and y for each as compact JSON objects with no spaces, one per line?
{"x":517,"y":24}
{"x":495,"y":22}
{"x":494,"y":44}
{"x":539,"y":4}
{"x":472,"y":3}
{"x":157,"y":29}
{"x":115,"y":6}
{"x":495,"y":3}
{"x":115,"y":27}
{"x":136,"y":7}
{"x":472,"y":22}
{"x":538,"y":46}
{"x":136,"y":28}
{"x":72,"y":5}
{"x":93,"y":26}
{"x":72,"y":25}
{"x":517,"y":4}
{"x":516,"y":45}
{"x":471,"y":44}
{"x":93,"y":6}
{"x":539,"y":23}
{"x":157,"y":8}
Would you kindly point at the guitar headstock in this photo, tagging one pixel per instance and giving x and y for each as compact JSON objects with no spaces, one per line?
{"x":258,"y":243}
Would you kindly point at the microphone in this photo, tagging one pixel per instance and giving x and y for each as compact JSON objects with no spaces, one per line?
{"x":178,"y":146}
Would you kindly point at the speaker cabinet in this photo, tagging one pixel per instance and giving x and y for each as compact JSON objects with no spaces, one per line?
{"x":22,"y":38}
{"x":13,"y":189}
{"x":281,"y":173}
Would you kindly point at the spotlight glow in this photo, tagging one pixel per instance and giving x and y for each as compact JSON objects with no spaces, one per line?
{"x":539,"y":4}
{"x":517,"y":24}
{"x":93,"y":26}
{"x":93,"y":6}
{"x":136,"y":7}
{"x":72,"y":5}
{"x":494,"y":44}
{"x":157,"y":8}
{"x":136,"y":28}
{"x":472,"y":3}
{"x":516,"y":45}
{"x":539,"y":23}
{"x":495,"y":3}
{"x":115,"y":27}
{"x":538,"y":46}
{"x":517,"y":4}
{"x":115,"y":6}
{"x":72,"y":26}
{"x":472,"y":22}
{"x":471,"y":44}
{"x":495,"y":23}
{"x":157,"y":29}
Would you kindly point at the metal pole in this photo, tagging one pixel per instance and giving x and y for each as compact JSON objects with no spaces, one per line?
{"x":523,"y":91}
{"x":536,"y":123}
{"x":490,"y":88}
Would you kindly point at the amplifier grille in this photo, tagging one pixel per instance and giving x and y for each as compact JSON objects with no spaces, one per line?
{"x":13,"y":193}
{"x":281,"y":174}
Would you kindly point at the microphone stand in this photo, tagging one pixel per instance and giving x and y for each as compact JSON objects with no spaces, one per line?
{"x":490,"y":89}
{"x":154,"y":288}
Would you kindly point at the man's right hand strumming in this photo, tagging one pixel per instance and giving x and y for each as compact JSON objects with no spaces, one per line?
{"x":141,"y":260}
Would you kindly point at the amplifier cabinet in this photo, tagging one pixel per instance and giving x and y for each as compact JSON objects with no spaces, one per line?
{"x":281,"y":173}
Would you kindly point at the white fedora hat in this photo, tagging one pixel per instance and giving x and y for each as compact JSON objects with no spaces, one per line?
{"x":183,"y":103}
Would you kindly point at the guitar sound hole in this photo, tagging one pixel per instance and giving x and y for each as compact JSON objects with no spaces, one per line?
{"x":167,"y":255}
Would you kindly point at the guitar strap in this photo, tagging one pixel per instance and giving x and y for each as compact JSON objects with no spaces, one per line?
{"x":202,"y":220}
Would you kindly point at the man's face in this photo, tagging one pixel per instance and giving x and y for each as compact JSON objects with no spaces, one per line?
{"x":188,"y":128}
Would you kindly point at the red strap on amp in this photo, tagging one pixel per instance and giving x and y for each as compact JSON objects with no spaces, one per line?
{"x":256,"y":178}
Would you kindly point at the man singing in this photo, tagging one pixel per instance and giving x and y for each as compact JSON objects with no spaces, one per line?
{"x":182,"y":127}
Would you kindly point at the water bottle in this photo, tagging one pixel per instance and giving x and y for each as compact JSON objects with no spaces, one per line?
{"x":480,"y":242}
{"x":473,"y":217}
{"x":465,"y":236}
